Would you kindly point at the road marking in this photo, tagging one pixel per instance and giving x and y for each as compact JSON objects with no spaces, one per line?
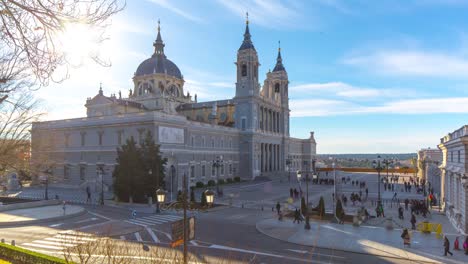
{"x":86,"y":220}
{"x":193,"y":242}
{"x":138,"y":237}
{"x":152,"y":234}
{"x":262,"y":253}
{"x":55,"y":225}
{"x":99,"y":215}
{"x":43,"y":246}
{"x":313,"y":253}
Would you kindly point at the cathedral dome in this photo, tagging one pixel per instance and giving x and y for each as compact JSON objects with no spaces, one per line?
{"x":158,"y":64}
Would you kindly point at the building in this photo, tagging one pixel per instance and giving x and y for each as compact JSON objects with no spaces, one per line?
{"x":454,"y":177}
{"x":429,"y":160}
{"x":250,"y":131}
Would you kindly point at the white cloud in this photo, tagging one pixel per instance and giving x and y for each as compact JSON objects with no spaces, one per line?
{"x":169,"y":6}
{"x":349,"y":91}
{"x":265,"y":13}
{"x":412,"y":63}
{"x":321,"y":107}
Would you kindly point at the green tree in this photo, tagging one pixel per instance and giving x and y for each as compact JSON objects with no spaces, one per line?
{"x":192,"y":194}
{"x":153,"y":164}
{"x":339,"y":209}
{"x":321,"y":207}
{"x":203,"y":201}
{"x":128,"y":173}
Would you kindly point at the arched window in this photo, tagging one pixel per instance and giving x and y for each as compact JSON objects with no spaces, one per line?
{"x":140,"y":90}
{"x":277,"y":88}
{"x":244,"y":70}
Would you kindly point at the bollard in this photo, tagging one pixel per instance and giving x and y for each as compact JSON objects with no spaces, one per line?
{"x":242,"y":205}
{"x":3,"y":240}
{"x":262,"y":207}
{"x":13,"y":242}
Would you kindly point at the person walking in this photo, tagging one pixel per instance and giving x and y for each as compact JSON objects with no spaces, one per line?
{"x":296,"y":216}
{"x":367,"y":192}
{"x":291,"y":193}
{"x":406,"y":204}
{"x":400,"y":212}
{"x":88,"y":195}
{"x":406,"y":238}
{"x":278,"y":208}
{"x":447,"y":246}
{"x":413,"y":221}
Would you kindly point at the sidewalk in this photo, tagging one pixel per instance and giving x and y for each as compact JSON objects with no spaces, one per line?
{"x":38,"y":214}
{"x":365,"y":240}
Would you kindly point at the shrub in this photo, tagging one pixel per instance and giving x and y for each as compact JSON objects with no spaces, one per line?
{"x":339,"y":209}
{"x":221,"y":182}
{"x":237,"y":179}
{"x":203,"y":199}
{"x":229,"y":180}
{"x":192,"y":195}
{"x":20,"y":255}
{"x":200,"y":184}
{"x":211,"y":183}
{"x":321,"y":207}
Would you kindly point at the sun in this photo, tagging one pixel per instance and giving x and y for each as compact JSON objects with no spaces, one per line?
{"x":79,"y":43}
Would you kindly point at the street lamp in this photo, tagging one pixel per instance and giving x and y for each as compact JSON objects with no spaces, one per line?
{"x":387,"y":163}
{"x":378,"y":166}
{"x":334,"y":186}
{"x":209,"y":194}
{"x":160,"y":197}
{"x":47,"y":173}
{"x":217,"y":163}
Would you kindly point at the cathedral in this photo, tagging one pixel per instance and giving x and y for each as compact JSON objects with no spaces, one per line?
{"x":249,"y":133}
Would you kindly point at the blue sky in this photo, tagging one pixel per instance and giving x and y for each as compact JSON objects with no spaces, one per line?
{"x":366,"y":76}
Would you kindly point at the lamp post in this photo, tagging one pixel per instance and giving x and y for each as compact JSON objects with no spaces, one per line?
{"x":299,"y":176}
{"x":334,"y":188}
{"x":47,"y":173}
{"x":100,"y":173}
{"x":378,"y":166}
{"x":387,"y":163}
{"x":218,"y":162}
{"x":161,"y":196}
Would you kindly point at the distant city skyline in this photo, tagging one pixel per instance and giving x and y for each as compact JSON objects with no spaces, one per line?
{"x":366,"y":77}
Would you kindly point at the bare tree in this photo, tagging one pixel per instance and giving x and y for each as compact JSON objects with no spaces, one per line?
{"x":16,"y":115}
{"x":29,"y":29}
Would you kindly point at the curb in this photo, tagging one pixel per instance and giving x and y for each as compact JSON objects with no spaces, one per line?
{"x":350,"y":251}
{"x":39,"y":221}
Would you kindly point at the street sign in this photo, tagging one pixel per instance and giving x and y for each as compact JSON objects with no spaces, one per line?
{"x":178,"y":231}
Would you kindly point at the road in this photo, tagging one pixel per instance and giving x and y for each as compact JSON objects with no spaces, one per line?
{"x":228,"y":233}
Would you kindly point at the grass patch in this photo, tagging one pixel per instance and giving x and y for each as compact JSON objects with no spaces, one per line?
{"x":21,"y":255}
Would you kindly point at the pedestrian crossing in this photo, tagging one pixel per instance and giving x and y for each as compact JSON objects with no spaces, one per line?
{"x":153,"y":220}
{"x":60,"y":241}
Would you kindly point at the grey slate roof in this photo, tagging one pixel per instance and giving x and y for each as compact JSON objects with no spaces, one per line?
{"x":247,"y":43}
{"x":158,"y":64}
{"x":279,"y":63}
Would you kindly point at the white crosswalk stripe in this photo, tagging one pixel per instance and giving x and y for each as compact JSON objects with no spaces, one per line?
{"x":60,"y":241}
{"x":153,"y":220}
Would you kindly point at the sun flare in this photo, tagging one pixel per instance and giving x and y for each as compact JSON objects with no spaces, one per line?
{"x":79,"y":42}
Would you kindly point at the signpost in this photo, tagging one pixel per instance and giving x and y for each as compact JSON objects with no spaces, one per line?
{"x":178,"y":231}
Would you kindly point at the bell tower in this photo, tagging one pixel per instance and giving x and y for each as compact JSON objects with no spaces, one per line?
{"x":247,"y":67}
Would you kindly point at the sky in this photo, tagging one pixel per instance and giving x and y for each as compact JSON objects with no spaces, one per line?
{"x":365,"y":76}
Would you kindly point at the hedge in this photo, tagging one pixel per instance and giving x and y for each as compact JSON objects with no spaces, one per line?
{"x":211,"y":183}
{"x":229,"y":180}
{"x":237,"y":179}
{"x":21,"y":255}
{"x":221,"y":182}
{"x":200,"y":184}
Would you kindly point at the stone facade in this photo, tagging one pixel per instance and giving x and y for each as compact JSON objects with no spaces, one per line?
{"x":454,"y":184}
{"x":250,"y":131}
{"x":428,"y":167}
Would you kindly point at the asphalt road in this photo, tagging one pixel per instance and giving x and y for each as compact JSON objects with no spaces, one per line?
{"x":228,"y":234}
